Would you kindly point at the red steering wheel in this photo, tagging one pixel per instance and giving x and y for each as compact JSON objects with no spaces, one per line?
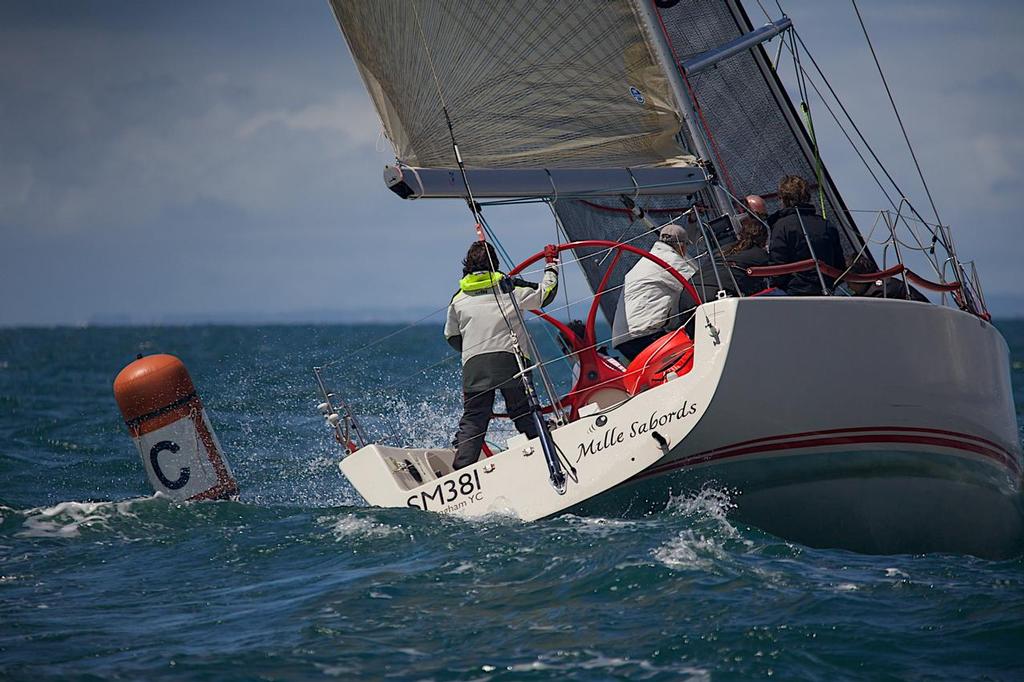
{"x":597,"y":373}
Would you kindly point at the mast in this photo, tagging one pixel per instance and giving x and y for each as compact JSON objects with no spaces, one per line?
{"x":651,"y":25}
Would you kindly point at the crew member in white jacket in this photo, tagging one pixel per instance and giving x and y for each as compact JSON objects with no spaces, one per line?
{"x":648,"y":305}
{"x":478,"y":327}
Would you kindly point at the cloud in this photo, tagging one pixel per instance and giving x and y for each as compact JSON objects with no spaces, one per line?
{"x":349,"y":116}
{"x":114,"y":151}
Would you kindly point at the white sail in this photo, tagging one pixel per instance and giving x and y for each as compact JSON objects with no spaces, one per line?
{"x":526,"y":83}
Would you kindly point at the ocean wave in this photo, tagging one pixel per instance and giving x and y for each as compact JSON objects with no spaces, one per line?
{"x":351,"y":526}
{"x":689,"y":550}
{"x":69,"y":519}
{"x":709,"y":502}
{"x":599,"y":526}
{"x":589,"y":662}
{"x":709,"y":537}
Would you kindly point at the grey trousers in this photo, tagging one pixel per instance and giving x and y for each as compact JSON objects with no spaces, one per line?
{"x":478,"y":408}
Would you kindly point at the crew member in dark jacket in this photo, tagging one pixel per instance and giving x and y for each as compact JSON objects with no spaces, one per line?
{"x":746,"y":252}
{"x":789,"y":245}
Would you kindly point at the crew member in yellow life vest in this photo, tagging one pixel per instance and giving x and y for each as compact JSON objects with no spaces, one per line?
{"x":478,"y":327}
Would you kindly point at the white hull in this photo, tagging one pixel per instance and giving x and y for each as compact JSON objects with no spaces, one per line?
{"x":875,"y":425}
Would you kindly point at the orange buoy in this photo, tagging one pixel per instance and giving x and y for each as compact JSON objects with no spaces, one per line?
{"x":169,"y":426}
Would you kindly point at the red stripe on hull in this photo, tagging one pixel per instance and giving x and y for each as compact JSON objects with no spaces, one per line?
{"x":863,"y":429}
{"x":804,"y":440}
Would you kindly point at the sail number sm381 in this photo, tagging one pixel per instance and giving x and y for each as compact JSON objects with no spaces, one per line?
{"x":449,"y":496}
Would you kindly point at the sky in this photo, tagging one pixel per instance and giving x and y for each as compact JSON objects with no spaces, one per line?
{"x":192,"y":161}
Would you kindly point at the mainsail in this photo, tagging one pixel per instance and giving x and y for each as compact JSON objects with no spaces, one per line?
{"x":526,"y":83}
{"x":538,"y":85}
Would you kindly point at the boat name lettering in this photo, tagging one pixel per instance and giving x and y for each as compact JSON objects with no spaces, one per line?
{"x":445,"y":493}
{"x":640,"y":427}
{"x":610,"y":437}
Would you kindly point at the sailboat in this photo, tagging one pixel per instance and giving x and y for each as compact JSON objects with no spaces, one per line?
{"x":624,"y":115}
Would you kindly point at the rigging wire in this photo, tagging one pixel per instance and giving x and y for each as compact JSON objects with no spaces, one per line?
{"x":933,"y":229}
{"x":863,"y":139}
{"x":867,"y":166}
{"x":378,"y":341}
{"x":805,"y":107}
{"x":560,"y":232}
{"x":832,"y":113}
{"x":936,"y":233}
{"x":896,"y":111}
{"x":557,"y":478}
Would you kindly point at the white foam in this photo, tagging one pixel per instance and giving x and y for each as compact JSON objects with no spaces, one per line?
{"x":528,"y":667}
{"x":709,"y":509}
{"x":599,"y":526}
{"x":318,"y":465}
{"x":67,"y":519}
{"x":709,"y":502}
{"x":349,"y":526}
{"x":337,"y":670}
{"x":895,"y":573}
{"x":597,"y":661}
{"x":688,"y":550}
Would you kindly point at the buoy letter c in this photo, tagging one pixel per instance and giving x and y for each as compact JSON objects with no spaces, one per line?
{"x":154,"y":452}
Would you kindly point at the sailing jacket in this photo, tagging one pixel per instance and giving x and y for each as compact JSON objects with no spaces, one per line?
{"x":788,"y":245}
{"x":707,"y":286}
{"x":649,"y":301}
{"x":477,"y":327}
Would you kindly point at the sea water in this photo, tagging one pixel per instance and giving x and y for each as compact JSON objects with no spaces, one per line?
{"x":299,"y":579}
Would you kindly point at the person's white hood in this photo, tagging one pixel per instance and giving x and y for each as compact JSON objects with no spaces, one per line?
{"x":649,"y":299}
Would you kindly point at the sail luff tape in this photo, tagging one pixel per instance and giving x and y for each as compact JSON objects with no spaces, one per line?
{"x":170,"y":428}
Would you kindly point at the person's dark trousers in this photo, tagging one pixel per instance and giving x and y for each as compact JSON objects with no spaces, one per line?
{"x":632,"y":348}
{"x":476,"y":415}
